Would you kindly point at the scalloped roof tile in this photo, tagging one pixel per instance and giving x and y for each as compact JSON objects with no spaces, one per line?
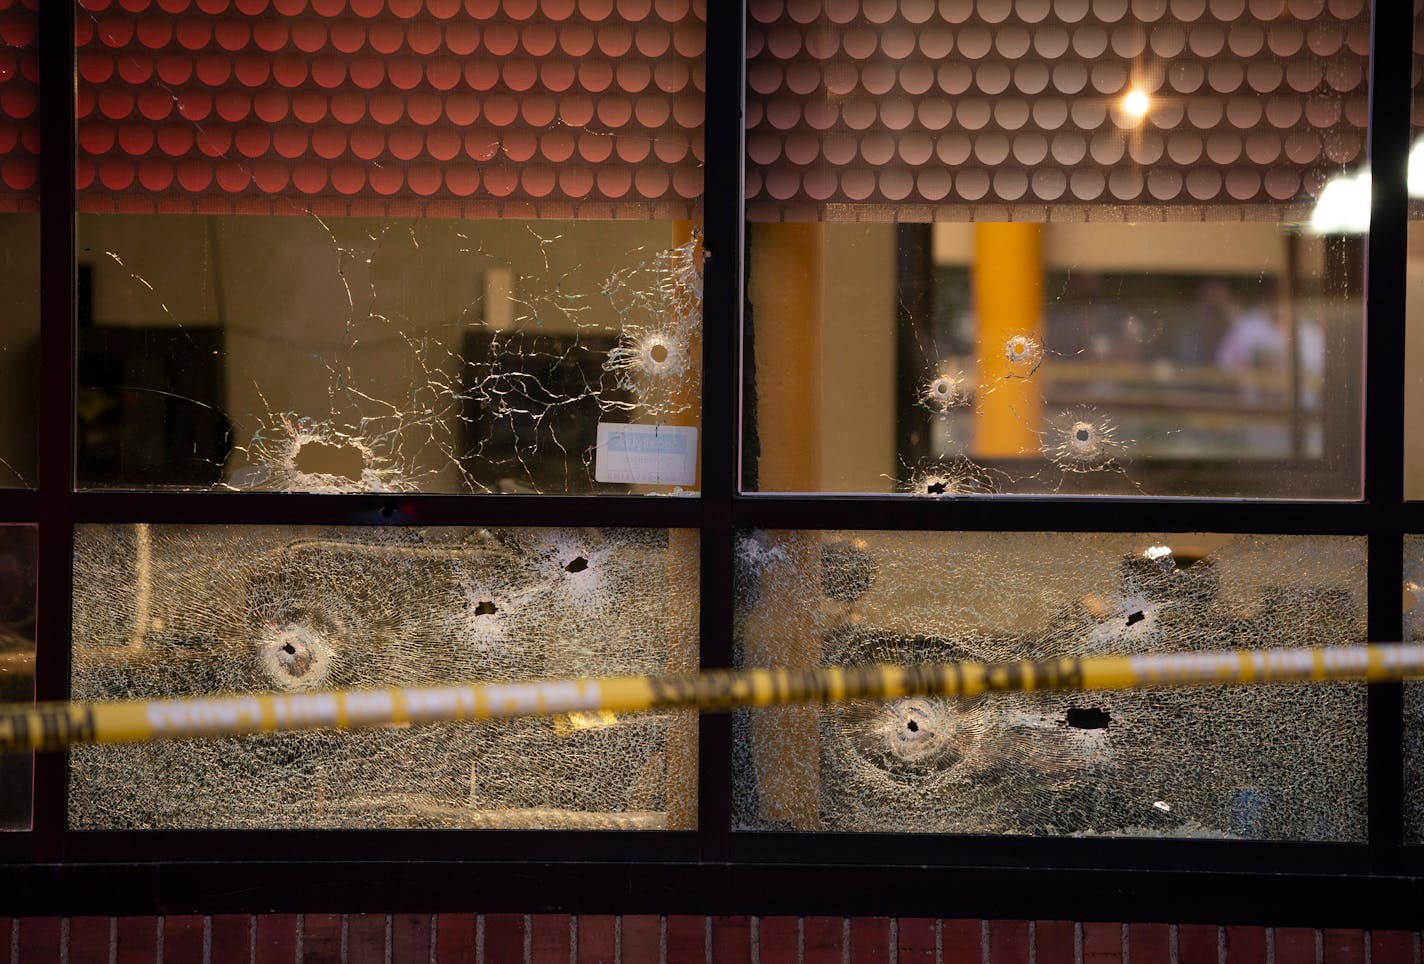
{"x":916,"y":109}
{"x":479,"y":108}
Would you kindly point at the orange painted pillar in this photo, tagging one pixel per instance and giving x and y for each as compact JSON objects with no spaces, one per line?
{"x":1008,"y":306}
{"x":786,"y":289}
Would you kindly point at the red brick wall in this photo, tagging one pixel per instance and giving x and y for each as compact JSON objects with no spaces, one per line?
{"x":650,"y":939}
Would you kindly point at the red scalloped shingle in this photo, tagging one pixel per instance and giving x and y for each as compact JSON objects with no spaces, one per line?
{"x":456,"y":107}
{"x":902,"y":107}
{"x":19,"y":106}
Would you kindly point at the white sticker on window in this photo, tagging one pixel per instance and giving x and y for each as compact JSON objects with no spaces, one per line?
{"x":646,"y":454}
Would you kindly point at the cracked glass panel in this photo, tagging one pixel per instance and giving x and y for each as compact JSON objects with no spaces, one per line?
{"x":17,"y":661}
{"x":19,"y":242}
{"x":1413,"y":693}
{"x":332,"y":249}
{"x":1279,"y":762}
{"x":1044,"y":248}
{"x":164,"y":611}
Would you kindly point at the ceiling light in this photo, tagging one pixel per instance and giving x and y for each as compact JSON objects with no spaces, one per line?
{"x":1136,"y":103}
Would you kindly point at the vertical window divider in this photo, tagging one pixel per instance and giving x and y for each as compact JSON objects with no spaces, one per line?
{"x":57,"y":397}
{"x":722,"y":311}
{"x":1391,"y":55}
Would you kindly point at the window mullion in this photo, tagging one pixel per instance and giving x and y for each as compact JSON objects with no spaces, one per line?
{"x":56,"y":465}
{"x":1389,"y":132}
{"x":726,"y":68}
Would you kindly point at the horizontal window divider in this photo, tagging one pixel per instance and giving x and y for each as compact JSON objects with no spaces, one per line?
{"x":1410,"y":516}
{"x":370,"y":509}
{"x":714,"y":783}
{"x":19,"y":505}
{"x":712,"y":888}
{"x":187,"y":847}
{"x":15,"y":845}
{"x":1118,"y":853}
{"x":1033,"y":513}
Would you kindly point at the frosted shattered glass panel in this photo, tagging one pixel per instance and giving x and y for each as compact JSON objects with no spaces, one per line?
{"x":192,"y":610}
{"x":1413,"y":693}
{"x":17,"y":661}
{"x":1283,"y":762}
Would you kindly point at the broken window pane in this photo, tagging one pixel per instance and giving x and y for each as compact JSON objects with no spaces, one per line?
{"x":1413,"y":693}
{"x":1278,"y":762}
{"x":1054,"y":251}
{"x":19,"y":242}
{"x":342,"y":250}
{"x":17,"y":661}
{"x":349,"y":354}
{"x":165,"y":611}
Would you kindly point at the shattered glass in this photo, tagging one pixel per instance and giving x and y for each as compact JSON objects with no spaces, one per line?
{"x":173,"y":611}
{"x":1263,"y":762}
{"x":17,"y":661}
{"x":1413,"y":693}
{"x":1178,"y":358}
{"x":359,"y":248}
{"x":379,"y":355}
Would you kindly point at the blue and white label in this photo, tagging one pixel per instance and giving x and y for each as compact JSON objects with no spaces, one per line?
{"x":646,"y":454}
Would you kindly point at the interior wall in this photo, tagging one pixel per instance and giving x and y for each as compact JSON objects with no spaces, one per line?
{"x":1237,"y":247}
{"x":858,"y":363}
{"x":1413,"y":365}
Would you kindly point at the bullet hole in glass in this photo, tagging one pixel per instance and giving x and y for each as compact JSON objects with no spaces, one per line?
{"x":485,"y":608}
{"x":1087,"y":719}
{"x":1134,"y":618}
{"x":316,"y":457}
{"x":579,"y":564}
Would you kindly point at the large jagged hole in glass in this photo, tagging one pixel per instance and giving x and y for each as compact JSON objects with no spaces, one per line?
{"x":184,"y":611}
{"x":1283,"y":762}
{"x":346,"y":354}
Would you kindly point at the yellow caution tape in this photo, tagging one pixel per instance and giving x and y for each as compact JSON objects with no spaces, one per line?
{"x":52,"y":726}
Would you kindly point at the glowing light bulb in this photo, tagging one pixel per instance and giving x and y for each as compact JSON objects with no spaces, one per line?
{"x":1136,"y":104}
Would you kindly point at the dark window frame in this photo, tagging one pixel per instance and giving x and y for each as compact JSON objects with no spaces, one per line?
{"x":712,"y":870}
